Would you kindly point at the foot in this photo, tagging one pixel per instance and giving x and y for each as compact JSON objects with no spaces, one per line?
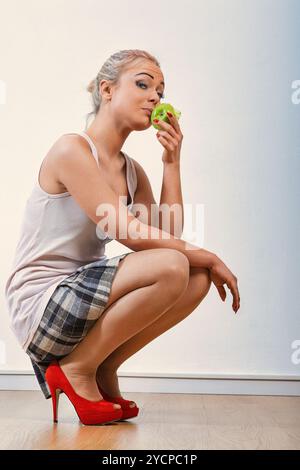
{"x":84,"y":385}
{"x":108,"y":381}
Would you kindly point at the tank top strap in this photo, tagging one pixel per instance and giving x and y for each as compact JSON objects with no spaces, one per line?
{"x":132,"y":177}
{"x":92,"y":145}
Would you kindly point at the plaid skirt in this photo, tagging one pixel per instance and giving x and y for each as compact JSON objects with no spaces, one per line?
{"x":75,"y":305}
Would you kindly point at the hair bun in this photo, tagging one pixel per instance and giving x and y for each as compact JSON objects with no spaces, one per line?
{"x":91,"y":86}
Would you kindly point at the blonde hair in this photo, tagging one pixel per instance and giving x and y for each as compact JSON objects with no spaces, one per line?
{"x":111,"y":70}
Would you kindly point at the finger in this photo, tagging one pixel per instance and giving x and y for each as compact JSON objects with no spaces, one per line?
{"x":167,"y":127}
{"x":167,"y":136}
{"x":165,"y":143}
{"x":239,"y":299}
{"x":164,"y":125}
{"x":222,"y":292}
{"x":235,"y":294}
{"x":174,"y":121}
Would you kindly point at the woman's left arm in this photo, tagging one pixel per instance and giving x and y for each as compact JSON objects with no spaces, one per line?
{"x":171,"y":194}
{"x":170,"y":136}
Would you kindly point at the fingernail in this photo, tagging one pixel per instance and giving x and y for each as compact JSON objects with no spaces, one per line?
{"x":169,"y":114}
{"x":155,"y":120}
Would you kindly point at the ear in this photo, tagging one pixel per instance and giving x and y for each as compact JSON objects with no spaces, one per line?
{"x":105,"y":89}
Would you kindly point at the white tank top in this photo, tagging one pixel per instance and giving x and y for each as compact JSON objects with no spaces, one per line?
{"x":56,"y":238}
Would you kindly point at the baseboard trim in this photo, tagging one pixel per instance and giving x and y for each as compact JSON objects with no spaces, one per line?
{"x":178,"y":383}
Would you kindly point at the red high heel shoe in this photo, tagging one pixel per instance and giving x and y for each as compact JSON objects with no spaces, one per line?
{"x":89,"y":412}
{"x":128,"y":412}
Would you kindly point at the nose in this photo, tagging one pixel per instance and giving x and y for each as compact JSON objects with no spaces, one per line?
{"x":155,"y":100}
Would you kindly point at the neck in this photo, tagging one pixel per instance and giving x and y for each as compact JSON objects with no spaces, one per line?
{"x":108,"y":135}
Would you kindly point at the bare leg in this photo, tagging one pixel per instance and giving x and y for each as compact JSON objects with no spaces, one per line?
{"x":123,"y":319}
{"x":198,"y":287}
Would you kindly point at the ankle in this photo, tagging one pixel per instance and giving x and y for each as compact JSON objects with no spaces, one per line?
{"x":77,"y":370}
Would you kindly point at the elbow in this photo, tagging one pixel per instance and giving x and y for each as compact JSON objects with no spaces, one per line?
{"x":134,"y":234}
{"x":120,"y":225}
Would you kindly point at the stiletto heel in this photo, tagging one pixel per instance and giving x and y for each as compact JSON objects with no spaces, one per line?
{"x":55,"y":400}
{"x":89,"y":412}
{"x":128,"y":412}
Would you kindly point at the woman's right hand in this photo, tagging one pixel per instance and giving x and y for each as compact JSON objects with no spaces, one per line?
{"x":220,"y":274}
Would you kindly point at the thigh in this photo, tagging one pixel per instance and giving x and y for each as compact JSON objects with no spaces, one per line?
{"x":143,"y":268}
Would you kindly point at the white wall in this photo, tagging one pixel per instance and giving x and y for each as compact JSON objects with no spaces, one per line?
{"x":229,"y":68}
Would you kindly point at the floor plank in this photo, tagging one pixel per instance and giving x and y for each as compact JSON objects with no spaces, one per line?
{"x":165,"y":421}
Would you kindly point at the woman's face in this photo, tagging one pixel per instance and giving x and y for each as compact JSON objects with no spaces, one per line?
{"x":140,"y":88}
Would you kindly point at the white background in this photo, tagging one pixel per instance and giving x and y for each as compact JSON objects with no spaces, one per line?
{"x":229,"y":68}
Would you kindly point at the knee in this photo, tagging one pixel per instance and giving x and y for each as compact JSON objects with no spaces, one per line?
{"x":176,"y":271}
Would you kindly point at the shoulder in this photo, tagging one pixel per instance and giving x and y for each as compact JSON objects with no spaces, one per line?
{"x":69,"y":148}
{"x":68,"y":143}
{"x":70,"y":152}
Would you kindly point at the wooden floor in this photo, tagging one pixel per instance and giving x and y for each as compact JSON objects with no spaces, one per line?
{"x":165,"y":421}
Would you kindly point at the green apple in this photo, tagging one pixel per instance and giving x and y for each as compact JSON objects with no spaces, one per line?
{"x":160,"y":112}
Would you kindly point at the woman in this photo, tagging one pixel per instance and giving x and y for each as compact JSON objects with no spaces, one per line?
{"x":77,"y":314}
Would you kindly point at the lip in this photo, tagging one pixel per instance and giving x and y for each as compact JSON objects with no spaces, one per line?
{"x":148,"y":111}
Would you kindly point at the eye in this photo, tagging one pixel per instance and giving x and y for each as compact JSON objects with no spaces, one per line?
{"x":161,"y":95}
